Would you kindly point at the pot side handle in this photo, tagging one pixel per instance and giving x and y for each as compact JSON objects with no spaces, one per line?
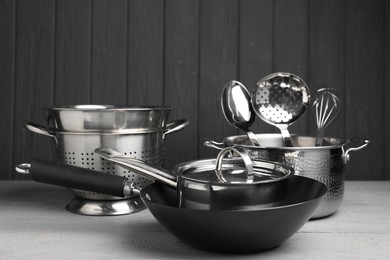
{"x":214,"y":144}
{"x":175,"y":126}
{"x":363,"y":143}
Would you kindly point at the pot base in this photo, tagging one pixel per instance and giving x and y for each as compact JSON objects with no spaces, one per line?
{"x":105,"y":207}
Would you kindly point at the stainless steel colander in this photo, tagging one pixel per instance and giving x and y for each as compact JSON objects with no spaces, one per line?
{"x":74,"y":140}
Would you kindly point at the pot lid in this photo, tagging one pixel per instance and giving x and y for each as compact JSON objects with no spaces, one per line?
{"x":233,"y":170}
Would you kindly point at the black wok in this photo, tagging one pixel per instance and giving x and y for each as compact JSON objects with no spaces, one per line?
{"x":237,"y":231}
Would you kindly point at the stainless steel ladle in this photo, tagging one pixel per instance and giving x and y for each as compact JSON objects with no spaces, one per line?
{"x":237,"y":109}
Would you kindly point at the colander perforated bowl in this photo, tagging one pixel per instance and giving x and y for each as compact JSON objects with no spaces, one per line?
{"x":143,"y":141}
{"x":77,"y":150}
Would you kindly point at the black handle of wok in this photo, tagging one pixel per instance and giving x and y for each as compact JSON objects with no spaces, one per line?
{"x":60,"y":174}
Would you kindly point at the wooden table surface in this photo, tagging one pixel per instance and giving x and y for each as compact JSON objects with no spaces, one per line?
{"x":35,"y":225}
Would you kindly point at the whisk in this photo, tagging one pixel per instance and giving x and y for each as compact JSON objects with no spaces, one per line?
{"x":326,"y":107}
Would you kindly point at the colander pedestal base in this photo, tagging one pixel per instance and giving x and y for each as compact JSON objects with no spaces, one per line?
{"x":105,"y":207}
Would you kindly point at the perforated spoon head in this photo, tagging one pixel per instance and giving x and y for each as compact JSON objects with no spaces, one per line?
{"x":280,"y":99}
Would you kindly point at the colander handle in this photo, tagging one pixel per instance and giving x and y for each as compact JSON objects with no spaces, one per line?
{"x":175,"y":126}
{"x":41,"y":130}
{"x":38,"y":129}
{"x":66,"y":175}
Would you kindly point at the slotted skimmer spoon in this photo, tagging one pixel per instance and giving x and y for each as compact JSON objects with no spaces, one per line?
{"x":326,"y":108}
{"x":280,"y":99}
{"x":237,"y":109}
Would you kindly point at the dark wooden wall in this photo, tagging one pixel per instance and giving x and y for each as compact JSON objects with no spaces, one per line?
{"x":181,"y":53}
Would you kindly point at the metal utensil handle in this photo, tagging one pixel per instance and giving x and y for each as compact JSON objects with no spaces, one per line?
{"x":285,"y":135}
{"x":142,"y":168}
{"x":245,"y":158}
{"x":319,"y":136}
{"x":363,"y":143}
{"x":175,"y":126}
{"x":60,"y":174}
{"x":253,"y":138}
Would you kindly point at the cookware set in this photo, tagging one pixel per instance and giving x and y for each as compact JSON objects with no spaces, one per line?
{"x":258,"y":191}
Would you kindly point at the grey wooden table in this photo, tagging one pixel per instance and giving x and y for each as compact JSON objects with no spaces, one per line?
{"x":35,"y":225}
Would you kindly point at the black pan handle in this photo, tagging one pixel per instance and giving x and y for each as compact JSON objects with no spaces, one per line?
{"x":66,"y":175}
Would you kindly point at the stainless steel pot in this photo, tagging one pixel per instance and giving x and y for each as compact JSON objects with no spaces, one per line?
{"x":75,"y":132}
{"x":323,"y":163}
{"x":215,"y":184}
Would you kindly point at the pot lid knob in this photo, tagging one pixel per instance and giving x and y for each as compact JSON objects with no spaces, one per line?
{"x":229,"y":151}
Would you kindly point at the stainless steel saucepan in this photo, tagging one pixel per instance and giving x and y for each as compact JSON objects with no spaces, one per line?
{"x":201,"y":184}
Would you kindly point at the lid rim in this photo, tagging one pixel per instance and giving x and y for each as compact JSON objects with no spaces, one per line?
{"x":209,"y":165}
{"x":101,"y":108}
